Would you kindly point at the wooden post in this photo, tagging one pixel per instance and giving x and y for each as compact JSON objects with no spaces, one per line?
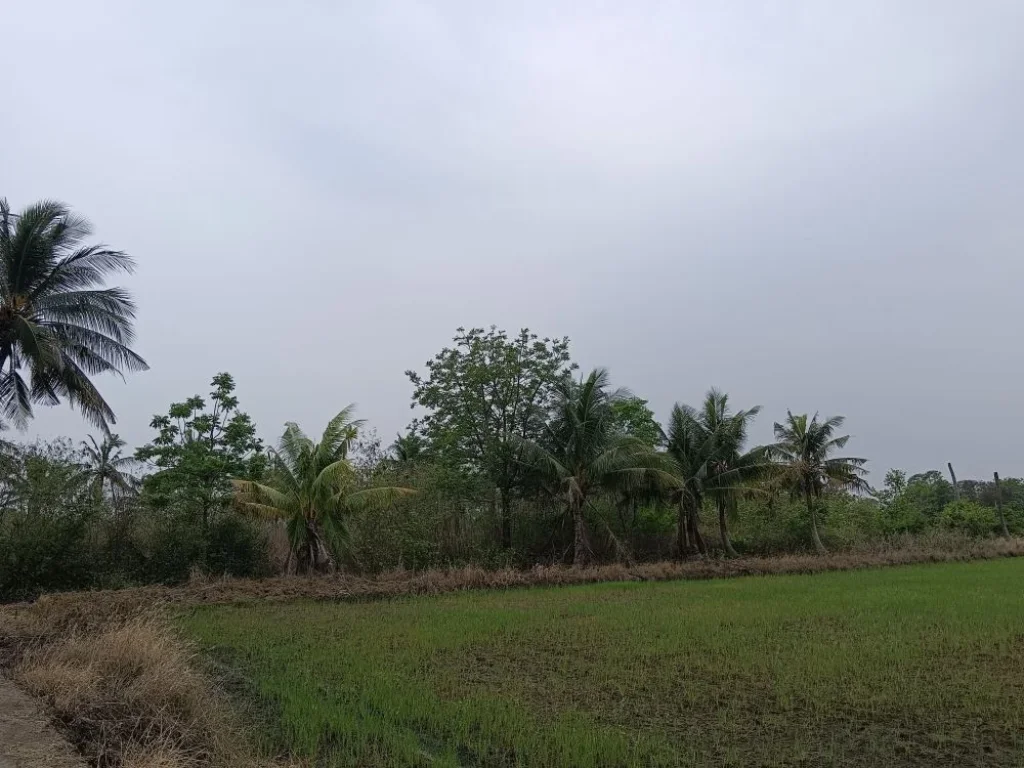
{"x":956,"y":488}
{"x":999,"y":506}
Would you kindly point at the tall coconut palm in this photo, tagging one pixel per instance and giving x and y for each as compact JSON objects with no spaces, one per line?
{"x":584,"y":453}
{"x":803,"y":453}
{"x":106,"y":470}
{"x":690,"y":445}
{"x":708,"y":445}
{"x":312,"y":487}
{"x":731,"y":470}
{"x":57,"y":323}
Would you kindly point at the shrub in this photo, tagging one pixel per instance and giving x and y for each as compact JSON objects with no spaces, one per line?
{"x":172,"y":546}
{"x":968,"y":517}
{"x":45,"y":551}
{"x":237,"y":547}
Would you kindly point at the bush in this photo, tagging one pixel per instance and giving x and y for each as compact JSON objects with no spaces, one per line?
{"x":45,"y":551}
{"x":968,"y":517}
{"x":172,"y":546}
{"x":237,"y":547}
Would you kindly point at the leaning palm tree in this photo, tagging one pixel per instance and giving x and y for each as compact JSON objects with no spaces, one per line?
{"x":313,"y":487}
{"x":707,"y":444}
{"x":58,"y":325}
{"x":107,"y":471}
{"x":584,"y":453}
{"x":802,"y":452}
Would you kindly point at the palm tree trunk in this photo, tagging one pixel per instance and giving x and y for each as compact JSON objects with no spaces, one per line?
{"x":688,"y":530}
{"x":581,"y":548}
{"x":723,"y":530}
{"x":818,"y":546}
{"x":682,"y":531}
{"x":506,"y":518}
{"x":320,"y":553}
{"x":695,"y":533}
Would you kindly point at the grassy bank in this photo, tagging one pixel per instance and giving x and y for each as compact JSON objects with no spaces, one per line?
{"x":911,"y":666}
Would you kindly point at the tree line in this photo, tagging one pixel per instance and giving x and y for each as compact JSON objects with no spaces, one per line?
{"x":514,"y":457}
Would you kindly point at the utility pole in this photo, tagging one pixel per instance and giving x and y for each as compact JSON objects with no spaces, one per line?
{"x":956,"y":488}
{"x":999,"y":505}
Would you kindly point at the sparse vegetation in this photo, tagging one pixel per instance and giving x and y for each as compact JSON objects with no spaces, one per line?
{"x":131,"y":693}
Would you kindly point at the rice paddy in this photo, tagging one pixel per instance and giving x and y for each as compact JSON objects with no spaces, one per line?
{"x":918,"y":665}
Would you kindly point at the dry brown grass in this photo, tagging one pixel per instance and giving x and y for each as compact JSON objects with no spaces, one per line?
{"x":86,"y":609}
{"x":130,"y":694}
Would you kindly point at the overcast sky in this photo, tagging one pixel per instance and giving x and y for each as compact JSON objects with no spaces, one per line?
{"x":811,"y":205}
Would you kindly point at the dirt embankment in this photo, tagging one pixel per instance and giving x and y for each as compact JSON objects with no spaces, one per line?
{"x":84,"y":609}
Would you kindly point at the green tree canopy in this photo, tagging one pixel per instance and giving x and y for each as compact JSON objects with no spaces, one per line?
{"x":312,"y":487}
{"x":583,"y":453}
{"x":691,"y":447}
{"x":107,"y":470}
{"x":803,"y":452}
{"x":484,"y":396}
{"x":632,"y":416}
{"x":708,"y":444}
{"x":198,"y":451}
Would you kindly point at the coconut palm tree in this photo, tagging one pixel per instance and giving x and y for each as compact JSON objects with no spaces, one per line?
{"x":584,"y":453}
{"x":707,"y":444}
{"x":106,"y":469}
{"x":731,"y":470}
{"x":312,"y":487}
{"x":409,"y":448}
{"x":802,"y":452}
{"x":58,"y":324}
{"x":690,"y":445}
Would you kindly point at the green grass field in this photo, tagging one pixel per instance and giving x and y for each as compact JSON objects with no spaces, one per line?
{"x":906,"y":666}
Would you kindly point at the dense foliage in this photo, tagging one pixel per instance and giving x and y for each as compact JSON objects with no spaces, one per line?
{"x":485,"y":395}
{"x":197,"y":452}
{"x":312,"y":488}
{"x":589,"y":476}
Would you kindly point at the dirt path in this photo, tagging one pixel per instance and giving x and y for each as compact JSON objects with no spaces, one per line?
{"x":27,"y":740}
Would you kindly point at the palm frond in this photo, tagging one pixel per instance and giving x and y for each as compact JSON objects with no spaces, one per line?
{"x":249,"y":492}
{"x":338,"y":436}
{"x":375,"y":498}
{"x":56,"y":320}
{"x":540,"y":459}
{"x":335,"y":477}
